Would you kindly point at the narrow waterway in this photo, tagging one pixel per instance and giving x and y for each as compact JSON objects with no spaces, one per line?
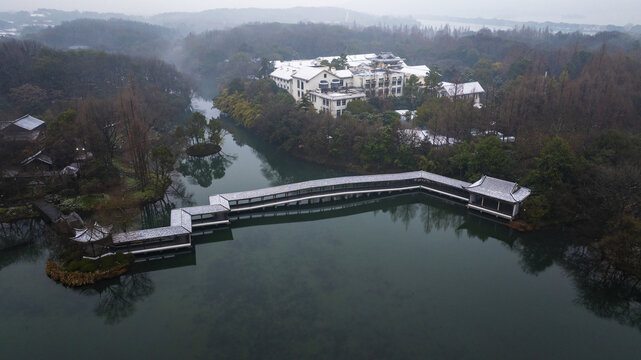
{"x":406,"y":277}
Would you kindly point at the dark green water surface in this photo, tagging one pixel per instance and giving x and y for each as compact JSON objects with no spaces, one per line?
{"x":407,"y":277}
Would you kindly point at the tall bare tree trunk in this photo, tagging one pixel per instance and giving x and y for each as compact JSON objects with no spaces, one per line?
{"x":136,"y":131}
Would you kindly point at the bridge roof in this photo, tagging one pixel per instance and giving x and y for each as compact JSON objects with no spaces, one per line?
{"x":204,"y":209}
{"x":251,"y":194}
{"x":149,"y":234}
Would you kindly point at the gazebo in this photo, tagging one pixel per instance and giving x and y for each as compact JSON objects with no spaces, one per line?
{"x":92,"y":235}
{"x":497,"y":197}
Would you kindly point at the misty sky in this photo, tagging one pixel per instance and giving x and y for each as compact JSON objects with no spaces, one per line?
{"x":619,"y":12}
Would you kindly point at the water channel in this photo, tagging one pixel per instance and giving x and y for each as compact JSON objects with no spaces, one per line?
{"x":407,"y":277}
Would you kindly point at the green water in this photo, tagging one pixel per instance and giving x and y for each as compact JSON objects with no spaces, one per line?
{"x":408,"y":277}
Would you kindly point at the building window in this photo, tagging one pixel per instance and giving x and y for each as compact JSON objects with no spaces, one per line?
{"x":302,"y":86}
{"x":325,"y":76}
{"x":338,"y":103}
{"x":344,"y":102}
{"x":338,"y":113}
{"x":298,"y":93}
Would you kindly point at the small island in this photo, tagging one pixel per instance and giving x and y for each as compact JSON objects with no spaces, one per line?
{"x":204,"y":136}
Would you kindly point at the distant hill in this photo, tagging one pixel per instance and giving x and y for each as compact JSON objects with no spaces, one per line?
{"x":227,"y":18}
{"x":25,"y":22}
{"x":500,"y":24}
{"x":114,"y":36}
{"x":185,"y":22}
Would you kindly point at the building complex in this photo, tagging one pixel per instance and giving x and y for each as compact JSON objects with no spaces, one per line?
{"x":363,"y":76}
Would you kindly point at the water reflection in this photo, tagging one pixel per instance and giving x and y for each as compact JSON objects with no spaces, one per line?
{"x":276,"y":166}
{"x":291,"y":305}
{"x":19,"y":232}
{"x":23,"y":241}
{"x":203,"y":170}
{"x":601,"y":289}
{"x":117,"y":297}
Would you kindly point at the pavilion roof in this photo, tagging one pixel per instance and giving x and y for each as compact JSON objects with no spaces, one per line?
{"x":499,"y":189}
{"x":28,"y":122}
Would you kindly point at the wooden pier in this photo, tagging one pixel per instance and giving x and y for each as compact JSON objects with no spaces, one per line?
{"x":489,"y":195}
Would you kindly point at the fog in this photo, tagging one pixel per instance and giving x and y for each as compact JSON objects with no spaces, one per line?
{"x":617,"y":12}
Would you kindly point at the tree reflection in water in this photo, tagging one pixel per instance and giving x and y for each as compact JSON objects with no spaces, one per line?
{"x":434,"y":213}
{"x":117,"y":298}
{"x":23,"y":240}
{"x":605,"y":291}
{"x":203,"y":170}
{"x":405,"y":213}
{"x":602,"y":289}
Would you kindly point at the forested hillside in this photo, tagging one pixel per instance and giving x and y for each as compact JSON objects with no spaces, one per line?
{"x":113,"y":35}
{"x":35,"y":78}
{"x":215,"y":57}
{"x":218,"y":56}
{"x":111,"y":117}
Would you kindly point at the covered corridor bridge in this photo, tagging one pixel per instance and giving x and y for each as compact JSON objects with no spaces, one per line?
{"x":489,"y":195}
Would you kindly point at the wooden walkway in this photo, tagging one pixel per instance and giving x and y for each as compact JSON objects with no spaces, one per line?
{"x":222,"y":206}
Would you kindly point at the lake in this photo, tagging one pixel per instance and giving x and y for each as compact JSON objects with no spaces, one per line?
{"x":406,"y":277}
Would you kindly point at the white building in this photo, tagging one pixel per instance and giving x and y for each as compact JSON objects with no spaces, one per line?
{"x":470,"y":90}
{"x":365,"y":76}
{"x":334,"y":102}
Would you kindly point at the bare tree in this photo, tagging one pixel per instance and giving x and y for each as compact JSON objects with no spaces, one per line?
{"x":135,"y":130}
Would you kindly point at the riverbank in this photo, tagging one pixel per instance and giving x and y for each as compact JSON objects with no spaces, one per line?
{"x":90,"y":203}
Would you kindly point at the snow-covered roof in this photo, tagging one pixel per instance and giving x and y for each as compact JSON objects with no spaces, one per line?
{"x":284,"y":73}
{"x":28,"y":122}
{"x":362,"y":179}
{"x":462,"y":89}
{"x":37,"y":156}
{"x":339,"y":95}
{"x":387,"y":57}
{"x":344,"y":74}
{"x":307,"y":73}
{"x":403,"y":113}
{"x":96,"y":233}
{"x":418,"y":70}
{"x":499,"y":189}
{"x":141,"y":235}
{"x":69,"y":170}
{"x":434,"y":139}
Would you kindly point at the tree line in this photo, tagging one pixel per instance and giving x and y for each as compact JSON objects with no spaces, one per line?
{"x":35,"y":78}
{"x":111,"y":116}
{"x":574,"y":174}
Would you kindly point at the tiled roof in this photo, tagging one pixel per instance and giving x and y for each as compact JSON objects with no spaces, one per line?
{"x":462,"y":89}
{"x":28,"y":122}
{"x":344,"y":180}
{"x":148,"y":234}
{"x":307,"y":73}
{"x":499,"y":189}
